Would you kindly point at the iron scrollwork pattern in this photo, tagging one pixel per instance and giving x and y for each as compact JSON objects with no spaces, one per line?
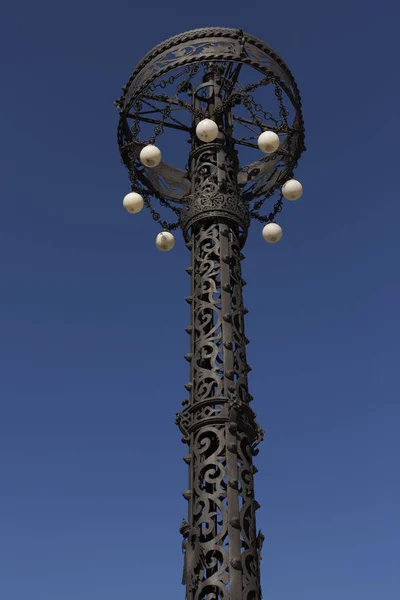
{"x":219,"y":426}
{"x":214,"y":189}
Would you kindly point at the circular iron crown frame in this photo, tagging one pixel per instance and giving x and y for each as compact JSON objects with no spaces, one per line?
{"x":202,"y":46}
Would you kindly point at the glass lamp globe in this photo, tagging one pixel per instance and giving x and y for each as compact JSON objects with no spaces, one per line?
{"x":207,"y":130}
{"x":150,"y":156}
{"x":165,"y":241}
{"x":292,"y":189}
{"x":268,"y":142}
{"x":272,"y":233}
{"x":133,"y":203}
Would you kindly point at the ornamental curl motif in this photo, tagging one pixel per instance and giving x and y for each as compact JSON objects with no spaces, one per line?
{"x":219,"y":426}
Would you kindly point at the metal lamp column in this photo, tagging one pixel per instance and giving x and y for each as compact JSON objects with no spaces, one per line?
{"x":222,"y":558}
{"x":215,"y":198}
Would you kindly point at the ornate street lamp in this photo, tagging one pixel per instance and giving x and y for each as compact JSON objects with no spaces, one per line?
{"x":236,"y":103}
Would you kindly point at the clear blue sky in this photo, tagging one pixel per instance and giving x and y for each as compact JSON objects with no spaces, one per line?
{"x":92,"y":316}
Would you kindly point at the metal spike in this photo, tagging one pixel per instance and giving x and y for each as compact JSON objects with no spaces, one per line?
{"x":187,"y":458}
{"x":188,"y":357}
{"x":189,"y":329}
{"x":236,"y":563}
{"x":189,"y":299}
{"x":189,"y":270}
{"x":189,"y":386}
{"x":187,"y":495}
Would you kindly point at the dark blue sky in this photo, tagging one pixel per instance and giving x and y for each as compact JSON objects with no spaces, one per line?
{"x":92,"y":315}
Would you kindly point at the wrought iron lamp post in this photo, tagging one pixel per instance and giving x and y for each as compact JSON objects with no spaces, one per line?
{"x":232,"y":97}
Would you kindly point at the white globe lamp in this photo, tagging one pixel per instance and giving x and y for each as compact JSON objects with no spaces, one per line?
{"x":133,"y":203}
{"x":207,"y":130}
{"x":150,"y":156}
{"x":165,"y":241}
{"x":268,"y":142}
{"x":272,"y":233}
{"x":292,"y":189}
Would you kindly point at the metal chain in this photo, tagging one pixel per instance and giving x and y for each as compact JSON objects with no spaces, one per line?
{"x":278,"y":206}
{"x":137,"y":187}
{"x":165,"y":112}
{"x":164,"y":82}
{"x":283,"y":111}
{"x":233,"y":96}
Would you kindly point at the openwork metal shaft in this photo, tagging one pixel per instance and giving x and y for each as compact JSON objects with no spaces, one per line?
{"x":222,"y":550}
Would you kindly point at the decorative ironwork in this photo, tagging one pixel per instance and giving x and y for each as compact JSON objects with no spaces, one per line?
{"x":214,"y":188}
{"x":219,"y":425}
{"x":215,"y":73}
{"x":169,"y":90}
